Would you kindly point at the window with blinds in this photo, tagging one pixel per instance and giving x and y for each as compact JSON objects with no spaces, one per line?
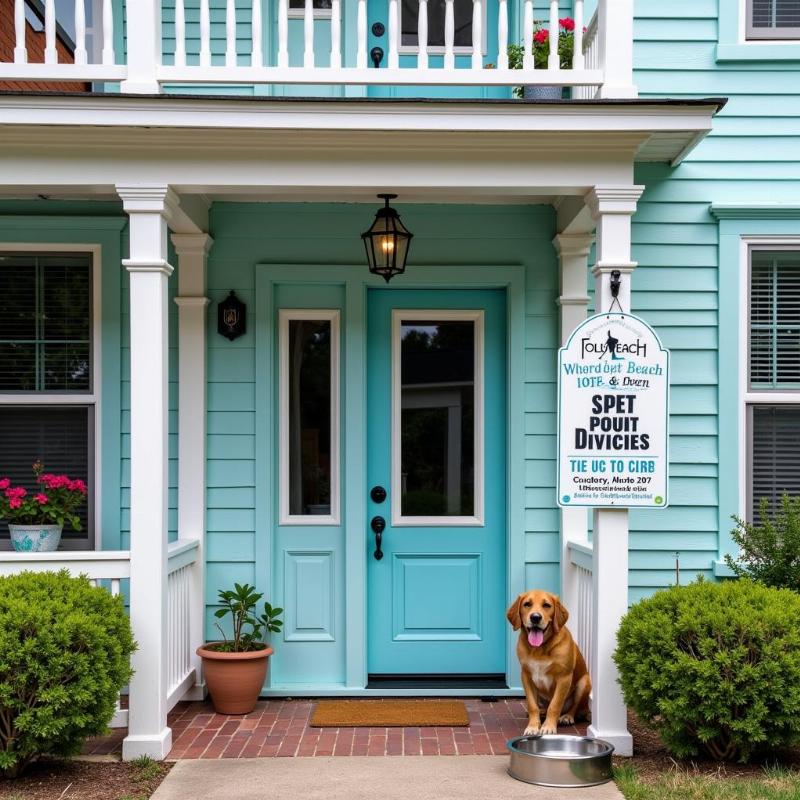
{"x":775,"y":319}
{"x":46,"y":392}
{"x":775,"y":454}
{"x":59,"y":437}
{"x":45,"y":323}
{"x":773,"y":19}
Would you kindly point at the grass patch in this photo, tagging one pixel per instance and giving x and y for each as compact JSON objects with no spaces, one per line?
{"x":681,"y":783}
{"x":145,"y":769}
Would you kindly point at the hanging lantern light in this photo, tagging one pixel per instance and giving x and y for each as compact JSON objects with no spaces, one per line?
{"x":387,"y":242}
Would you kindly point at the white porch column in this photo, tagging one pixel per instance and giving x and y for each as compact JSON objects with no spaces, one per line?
{"x":573,"y":301}
{"x":143,"y":26}
{"x":615,"y":45}
{"x":192,"y":251}
{"x":612,"y":208}
{"x":149,"y":208}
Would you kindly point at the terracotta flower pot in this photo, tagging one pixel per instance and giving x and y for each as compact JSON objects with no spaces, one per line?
{"x":234,"y":679}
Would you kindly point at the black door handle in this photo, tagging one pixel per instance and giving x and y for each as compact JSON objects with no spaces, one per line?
{"x":378,"y":525}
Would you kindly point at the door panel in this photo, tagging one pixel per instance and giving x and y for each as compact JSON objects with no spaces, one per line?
{"x":436,"y":428}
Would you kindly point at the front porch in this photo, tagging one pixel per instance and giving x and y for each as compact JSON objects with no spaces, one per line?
{"x":185,"y":170}
{"x":279,"y":728}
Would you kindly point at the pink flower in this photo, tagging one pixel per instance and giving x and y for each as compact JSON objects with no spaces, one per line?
{"x":77,"y":486}
{"x":16,"y":493}
{"x":568,"y":24}
{"x":41,"y":498}
{"x":15,"y":502}
{"x":4,"y":483}
{"x":541,"y":36}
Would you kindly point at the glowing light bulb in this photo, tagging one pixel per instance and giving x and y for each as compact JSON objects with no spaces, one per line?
{"x":387,"y":245}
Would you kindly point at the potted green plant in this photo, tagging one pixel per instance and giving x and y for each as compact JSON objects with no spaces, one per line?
{"x":236,"y":667}
{"x":541,"y":56}
{"x":36,"y":519}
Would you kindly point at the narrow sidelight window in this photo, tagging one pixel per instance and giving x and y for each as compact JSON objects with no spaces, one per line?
{"x":309,"y":412}
{"x":437,"y":417}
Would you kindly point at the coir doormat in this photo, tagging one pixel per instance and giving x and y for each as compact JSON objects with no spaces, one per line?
{"x":389,"y":714}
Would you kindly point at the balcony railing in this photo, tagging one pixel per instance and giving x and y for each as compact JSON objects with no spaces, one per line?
{"x":601,"y":64}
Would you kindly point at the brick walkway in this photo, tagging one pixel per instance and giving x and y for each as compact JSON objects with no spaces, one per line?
{"x":280,"y":728}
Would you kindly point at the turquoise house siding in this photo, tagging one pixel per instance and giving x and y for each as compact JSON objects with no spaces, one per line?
{"x":687,"y":282}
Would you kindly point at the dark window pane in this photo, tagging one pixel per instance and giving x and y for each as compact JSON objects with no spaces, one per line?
{"x":462,"y":14}
{"x":309,"y":417}
{"x":45,"y":323}
{"x":775,"y":454}
{"x":437,"y":418}
{"x":58,"y":436}
{"x":318,"y":4}
{"x":776,"y":13}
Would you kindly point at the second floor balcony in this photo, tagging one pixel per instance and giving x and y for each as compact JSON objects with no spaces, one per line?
{"x":337,"y":48}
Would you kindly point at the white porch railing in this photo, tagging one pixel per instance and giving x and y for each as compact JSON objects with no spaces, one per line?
{"x":110,"y":568}
{"x":581,"y":607}
{"x":150,"y":65}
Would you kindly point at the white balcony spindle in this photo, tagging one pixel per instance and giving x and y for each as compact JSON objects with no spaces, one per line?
{"x":50,"y":52}
{"x":502,"y":34}
{"x":361,"y":35}
{"x":449,"y":35}
{"x":527,"y":36}
{"x":114,"y":586}
{"x":308,"y":34}
{"x":336,"y":34}
{"x":552,"y":60}
{"x":80,"y":55}
{"x":180,"y":34}
{"x":257,"y":55}
{"x":577,"y":50}
{"x":477,"y":34}
{"x":394,"y":58}
{"x":230,"y":34}
{"x":205,"y":34}
{"x":422,"y":34}
{"x":109,"y":56}
{"x":283,"y":33}
{"x":20,"y":50}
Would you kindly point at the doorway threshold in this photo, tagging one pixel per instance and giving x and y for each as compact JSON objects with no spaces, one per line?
{"x":465,"y":681}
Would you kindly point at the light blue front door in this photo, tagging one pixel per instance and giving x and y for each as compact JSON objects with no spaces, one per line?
{"x":436,"y":426}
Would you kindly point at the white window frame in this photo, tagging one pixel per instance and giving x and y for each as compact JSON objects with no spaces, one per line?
{"x":747,"y":397}
{"x":438,"y":50}
{"x":92,"y":398}
{"x":285,"y":316}
{"x":422,"y":315}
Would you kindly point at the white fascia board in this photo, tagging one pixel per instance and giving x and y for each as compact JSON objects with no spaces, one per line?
{"x":177,"y":112}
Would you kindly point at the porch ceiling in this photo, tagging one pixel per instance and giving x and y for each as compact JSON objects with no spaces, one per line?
{"x":305,"y":149}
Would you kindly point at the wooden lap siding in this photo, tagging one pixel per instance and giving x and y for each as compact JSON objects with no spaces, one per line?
{"x":35,"y":42}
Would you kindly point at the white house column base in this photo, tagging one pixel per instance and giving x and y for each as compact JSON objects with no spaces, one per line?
{"x":622,"y":740}
{"x":155,"y":747}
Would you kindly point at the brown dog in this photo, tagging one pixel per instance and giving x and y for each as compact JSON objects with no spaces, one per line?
{"x":554,"y":674}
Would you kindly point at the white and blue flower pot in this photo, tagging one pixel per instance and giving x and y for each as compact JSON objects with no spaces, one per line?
{"x":35,"y":538}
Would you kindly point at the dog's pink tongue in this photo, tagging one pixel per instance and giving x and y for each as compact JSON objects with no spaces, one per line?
{"x":535,"y":637}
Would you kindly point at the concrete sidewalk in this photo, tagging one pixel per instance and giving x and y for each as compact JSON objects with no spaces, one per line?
{"x":360,"y":778}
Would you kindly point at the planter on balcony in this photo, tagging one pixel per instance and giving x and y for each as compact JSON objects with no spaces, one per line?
{"x":542,"y":92}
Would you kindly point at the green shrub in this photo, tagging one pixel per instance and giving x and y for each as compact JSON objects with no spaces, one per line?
{"x":770,"y":551}
{"x":714,"y":667}
{"x":64,"y":655}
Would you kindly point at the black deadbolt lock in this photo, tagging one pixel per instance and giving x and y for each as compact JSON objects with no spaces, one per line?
{"x":378,"y":29}
{"x":378,"y":494}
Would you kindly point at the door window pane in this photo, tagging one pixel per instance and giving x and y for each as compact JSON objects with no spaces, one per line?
{"x":409,"y":22}
{"x":309,"y":412}
{"x":437,"y":418}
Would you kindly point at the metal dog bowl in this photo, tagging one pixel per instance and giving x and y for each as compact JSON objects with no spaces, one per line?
{"x":566,"y":761}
